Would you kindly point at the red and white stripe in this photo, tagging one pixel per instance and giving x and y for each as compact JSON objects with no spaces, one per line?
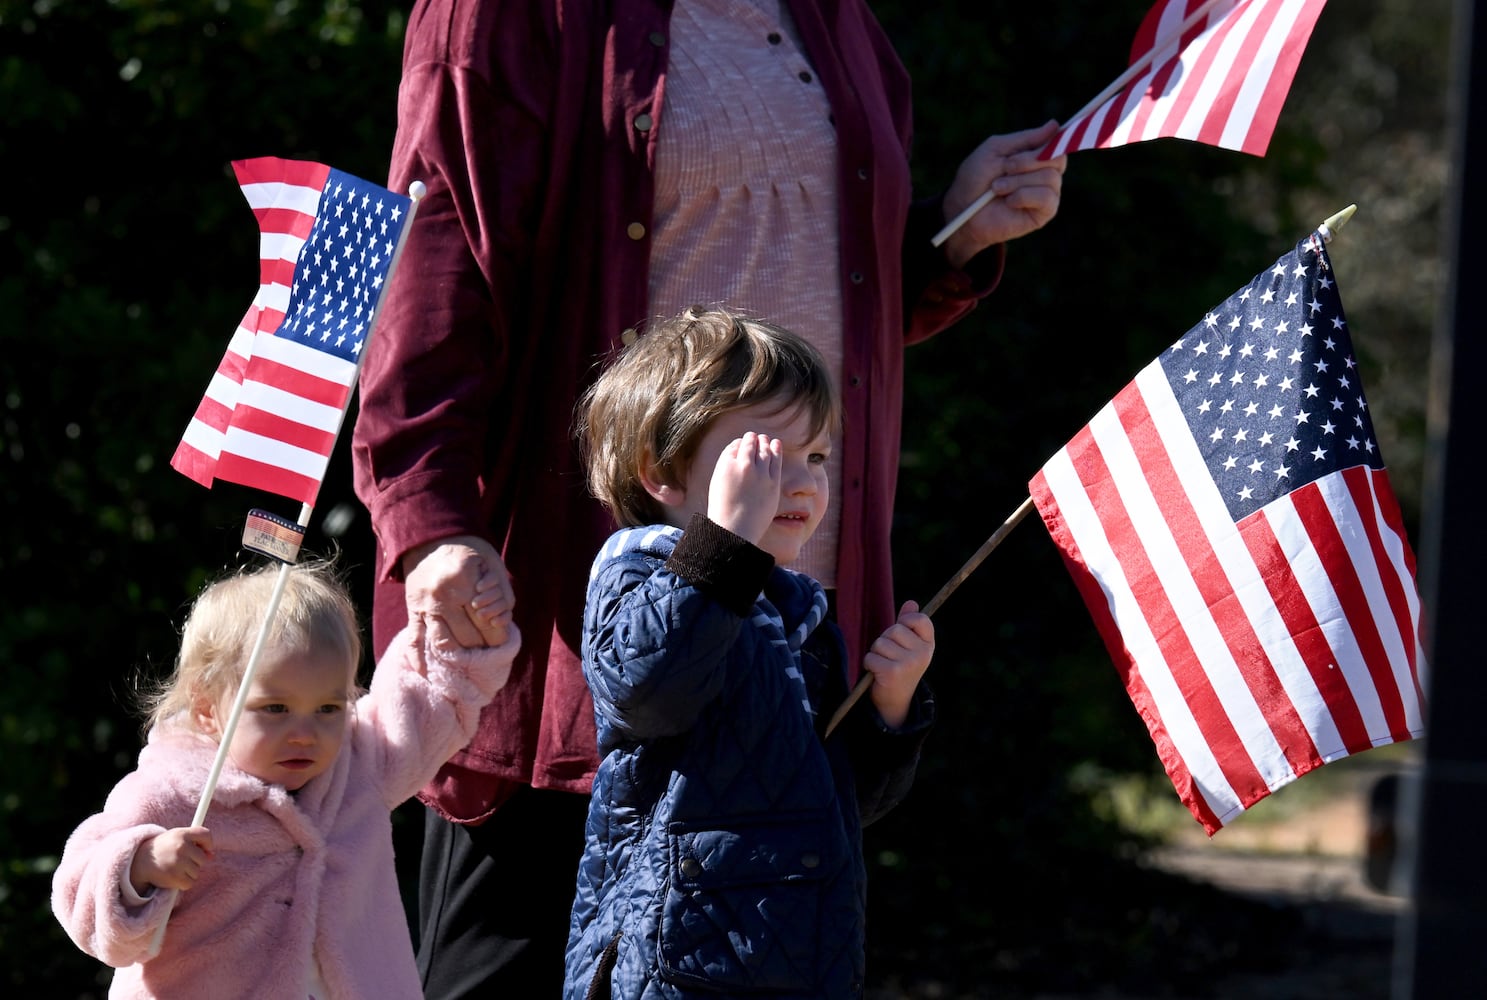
{"x":1255,"y":652}
{"x":1215,"y":72}
{"x":273,"y":409}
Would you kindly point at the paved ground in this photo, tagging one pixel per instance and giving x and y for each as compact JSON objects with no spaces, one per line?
{"x":1309,"y":855}
{"x":1353,"y":927}
{"x":1320,"y":930}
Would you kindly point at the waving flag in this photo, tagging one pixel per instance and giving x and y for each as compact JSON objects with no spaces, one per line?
{"x":1229,"y":522}
{"x":273,"y":410}
{"x":1215,"y":72}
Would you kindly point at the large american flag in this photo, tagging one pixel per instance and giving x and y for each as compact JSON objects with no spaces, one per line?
{"x":1215,"y":72}
{"x":1229,"y":522}
{"x":273,"y":410}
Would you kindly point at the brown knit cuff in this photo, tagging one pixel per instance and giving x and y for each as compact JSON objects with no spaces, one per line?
{"x":724,"y":566}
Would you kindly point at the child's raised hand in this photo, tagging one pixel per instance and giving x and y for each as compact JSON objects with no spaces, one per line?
{"x":171,"y":860}
{"x":897,"y":660}
{"x":744,"y":494}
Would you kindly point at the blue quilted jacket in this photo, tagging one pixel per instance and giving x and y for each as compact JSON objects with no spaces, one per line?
{"x":724,"y":850}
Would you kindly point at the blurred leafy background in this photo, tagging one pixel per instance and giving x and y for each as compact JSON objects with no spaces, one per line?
{"x":127,"y":256}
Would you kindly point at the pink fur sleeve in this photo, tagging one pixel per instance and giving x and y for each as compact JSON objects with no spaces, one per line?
{"x":425,"y":701}
{"x":86,"y":889}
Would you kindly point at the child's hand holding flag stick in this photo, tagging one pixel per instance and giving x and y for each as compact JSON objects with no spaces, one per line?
{"x":866,"y":680}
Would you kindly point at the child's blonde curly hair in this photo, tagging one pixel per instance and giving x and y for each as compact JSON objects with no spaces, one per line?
{"x":315,"y":611}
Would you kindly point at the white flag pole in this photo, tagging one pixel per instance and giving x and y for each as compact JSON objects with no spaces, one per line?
{"x":416,"y":191}
{"x":1135,"y":69}
{"x":225,"y":736}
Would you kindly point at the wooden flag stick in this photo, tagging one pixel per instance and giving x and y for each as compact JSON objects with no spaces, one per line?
{"x":866,"y":680}
{"x":1134,"y":70}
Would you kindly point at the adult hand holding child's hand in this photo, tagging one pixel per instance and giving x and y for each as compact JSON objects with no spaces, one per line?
{"x":463,"y":580}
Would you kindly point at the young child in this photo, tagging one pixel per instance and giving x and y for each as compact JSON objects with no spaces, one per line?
{"x":288,"y":889}
{"x":724,"y":847}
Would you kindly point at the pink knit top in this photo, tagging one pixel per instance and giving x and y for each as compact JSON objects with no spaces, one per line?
{"x":746,"y":199}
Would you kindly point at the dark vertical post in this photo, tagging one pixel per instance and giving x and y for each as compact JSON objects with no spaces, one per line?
{"x":1443,"y":940}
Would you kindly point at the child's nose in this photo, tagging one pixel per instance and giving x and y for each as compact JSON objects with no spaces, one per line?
{"x":799,"y":481}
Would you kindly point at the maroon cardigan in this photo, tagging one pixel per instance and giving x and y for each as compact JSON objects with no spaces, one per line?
{"x":533,"y":124}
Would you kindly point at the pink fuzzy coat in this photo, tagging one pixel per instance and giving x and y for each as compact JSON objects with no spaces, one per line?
{"x":294,"y":877}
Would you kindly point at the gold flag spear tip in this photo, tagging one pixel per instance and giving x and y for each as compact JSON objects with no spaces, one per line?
{"x":1336,"y":222}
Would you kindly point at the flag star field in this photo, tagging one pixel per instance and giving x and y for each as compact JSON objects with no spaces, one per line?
{"x":343,"y":266}
{"x":1269,"y":385}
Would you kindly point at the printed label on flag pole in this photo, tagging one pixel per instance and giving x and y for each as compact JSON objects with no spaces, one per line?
{"x":274,"y":408}
{"x":1229,"y":522}
{"x":272,"y":536}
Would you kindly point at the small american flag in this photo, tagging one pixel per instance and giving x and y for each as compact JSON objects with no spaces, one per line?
{"x":1217,"y":72}
{"x":1229,"y":522}
{"x":273,"y":410}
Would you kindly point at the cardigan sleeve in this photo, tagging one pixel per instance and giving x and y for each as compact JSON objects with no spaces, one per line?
{"x":937,"y":295}
{"x":473,"y":121}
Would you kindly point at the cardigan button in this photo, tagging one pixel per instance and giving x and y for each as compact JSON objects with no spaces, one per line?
{"x":857,"y":277}
{"x":657,"y":39}
{"x":635,"y":231}
{"x":642,"y":122}
{"x":810,"y":859}
{"x":691,"y":867}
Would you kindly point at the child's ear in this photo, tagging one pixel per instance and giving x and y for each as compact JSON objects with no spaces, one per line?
{"x":204,"y":711}
{"x":656,"y":485}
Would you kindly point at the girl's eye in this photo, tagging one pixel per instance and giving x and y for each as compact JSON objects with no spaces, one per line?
{"x":274,"y":709}
{"x":330,"y":708}
{"x":817,"y":458}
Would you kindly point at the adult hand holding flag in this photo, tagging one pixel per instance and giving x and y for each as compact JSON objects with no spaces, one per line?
{"x":1229,"y":522}
{"x":274,"y":408}
{"x":1215,"y":72}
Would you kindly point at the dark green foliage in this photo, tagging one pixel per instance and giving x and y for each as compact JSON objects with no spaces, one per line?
{"x":127,"y":256}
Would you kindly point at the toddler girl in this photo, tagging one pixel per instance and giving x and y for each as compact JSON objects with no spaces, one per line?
{"x":289,"y":888}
